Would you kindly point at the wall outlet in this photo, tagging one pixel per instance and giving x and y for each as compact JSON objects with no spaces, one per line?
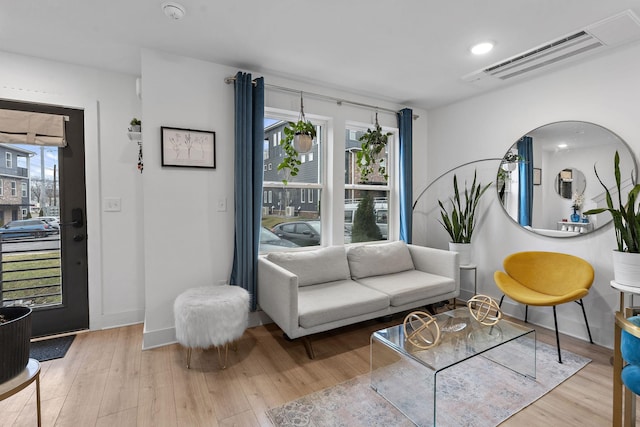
{"x":112,"y":204}
{"x":222,"y":204}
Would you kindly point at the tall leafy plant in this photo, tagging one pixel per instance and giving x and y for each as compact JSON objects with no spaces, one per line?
{"x":460,"y":221}
{"x":626,"y":217}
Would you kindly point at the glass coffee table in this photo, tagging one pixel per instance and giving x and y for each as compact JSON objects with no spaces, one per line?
{"x":407,"y":376}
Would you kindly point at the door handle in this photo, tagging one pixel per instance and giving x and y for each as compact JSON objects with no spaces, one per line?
{"x":78,"y":238}
{"x":77,"y":220}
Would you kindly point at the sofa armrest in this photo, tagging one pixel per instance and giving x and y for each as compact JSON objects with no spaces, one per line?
{"x":436,"y":261}
{"x":278,"y":294}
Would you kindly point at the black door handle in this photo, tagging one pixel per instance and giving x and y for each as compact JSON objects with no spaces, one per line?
{"x":78,"y":238}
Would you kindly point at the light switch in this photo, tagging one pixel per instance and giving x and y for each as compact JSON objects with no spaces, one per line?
{"x":112,"y":204}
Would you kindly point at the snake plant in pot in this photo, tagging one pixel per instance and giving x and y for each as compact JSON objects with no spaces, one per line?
{"x":460,"y":222}
{"x":626,"y":224}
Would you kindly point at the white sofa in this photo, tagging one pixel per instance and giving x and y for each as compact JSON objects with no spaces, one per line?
{"x":314,"y":291}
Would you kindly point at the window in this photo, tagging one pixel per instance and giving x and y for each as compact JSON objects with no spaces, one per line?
{"x":24,"y":189}
{"x":1,"y":187}
{"x":371,"y":195}
{"x":9,"y":160}
{"x":24,"y":213}
{"x":265,"y":149}
{"x":270,"y":166}
{"x":295,"y":202}
{"x":14,"y":188}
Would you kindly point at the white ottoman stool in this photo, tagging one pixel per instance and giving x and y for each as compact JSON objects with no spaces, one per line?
{"x":211,"y":316}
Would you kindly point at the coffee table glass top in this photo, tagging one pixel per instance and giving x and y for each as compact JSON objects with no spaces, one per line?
{"x":461,"y":338}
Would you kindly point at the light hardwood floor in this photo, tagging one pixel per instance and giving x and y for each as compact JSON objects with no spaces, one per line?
{"x":107,"y":380}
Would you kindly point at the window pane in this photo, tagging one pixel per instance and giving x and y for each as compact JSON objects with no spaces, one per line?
{"x":366,"y":216}
{"x":293,"y":221}
{"x":353,"y":171}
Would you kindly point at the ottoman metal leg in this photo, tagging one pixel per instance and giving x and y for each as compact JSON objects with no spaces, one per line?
{"x":226,"y":352}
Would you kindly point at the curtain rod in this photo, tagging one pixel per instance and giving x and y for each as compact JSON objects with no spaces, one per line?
{"x":339,"y":101}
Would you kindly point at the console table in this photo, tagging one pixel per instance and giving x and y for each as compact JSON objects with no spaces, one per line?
{"x":30,"y":374}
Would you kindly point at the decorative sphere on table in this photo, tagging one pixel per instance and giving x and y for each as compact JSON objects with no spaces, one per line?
{"x":484,"y":309}
{"x":421,"y":329}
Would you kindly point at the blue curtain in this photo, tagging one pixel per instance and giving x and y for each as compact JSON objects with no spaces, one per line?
{"x":249,"y":138}
{"x":525,"y":177}
{"x":405,"y":126}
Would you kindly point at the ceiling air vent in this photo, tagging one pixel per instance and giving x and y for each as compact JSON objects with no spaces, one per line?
{"x":604,"y":35}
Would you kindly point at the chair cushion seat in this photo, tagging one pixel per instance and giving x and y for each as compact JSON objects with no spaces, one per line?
{"x":631,"y":378}
{"x":409,"y":286}
{"x":328,"y":302}
{"x":528,"y":296}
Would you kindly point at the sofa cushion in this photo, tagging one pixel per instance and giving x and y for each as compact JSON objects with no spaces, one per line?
{"x":380,"y":259}
{"x":328,"y":302}
{"x":316,"y":266}
{"x":409,"y":286}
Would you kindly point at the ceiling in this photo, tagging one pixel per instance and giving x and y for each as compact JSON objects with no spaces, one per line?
{"x":411,"y":52}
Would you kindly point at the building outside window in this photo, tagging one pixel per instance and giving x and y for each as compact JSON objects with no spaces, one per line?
{"x":9,"y":160}
{"x":14,"y":188}
{"x":24,"y":189}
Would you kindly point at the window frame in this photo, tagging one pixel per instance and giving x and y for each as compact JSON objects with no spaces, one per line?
{"x":392,"y":167}
{"x":8,"y":160}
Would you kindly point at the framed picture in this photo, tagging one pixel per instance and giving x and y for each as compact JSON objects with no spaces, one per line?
{"x":537,"y":176}
{"x":188,"y":148}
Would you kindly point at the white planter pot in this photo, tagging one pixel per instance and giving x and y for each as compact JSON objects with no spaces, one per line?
{"x":626,"y":268}
{"x":464,"y":252}
{"x":302,"y":142}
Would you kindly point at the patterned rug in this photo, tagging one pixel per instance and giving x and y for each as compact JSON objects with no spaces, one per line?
{"x":474,"y":393}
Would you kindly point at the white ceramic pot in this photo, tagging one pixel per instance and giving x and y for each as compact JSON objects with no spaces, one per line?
{"x":626,"y":268}
{"x":464,"y":252}
{"x":302,"y":142}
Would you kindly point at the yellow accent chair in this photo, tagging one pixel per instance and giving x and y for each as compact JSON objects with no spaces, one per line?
{"x":545,"y":279}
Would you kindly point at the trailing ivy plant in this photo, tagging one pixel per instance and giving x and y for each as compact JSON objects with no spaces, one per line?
{"x":371,"y":153}
{"x":291,"y":160}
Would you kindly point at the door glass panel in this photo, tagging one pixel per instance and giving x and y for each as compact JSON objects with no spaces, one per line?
{"x":30,"y":226}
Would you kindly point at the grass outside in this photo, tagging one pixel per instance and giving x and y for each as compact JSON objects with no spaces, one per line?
{"x":32,"y":277}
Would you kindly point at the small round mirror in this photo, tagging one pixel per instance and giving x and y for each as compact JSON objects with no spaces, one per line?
{"x":570,"y":182}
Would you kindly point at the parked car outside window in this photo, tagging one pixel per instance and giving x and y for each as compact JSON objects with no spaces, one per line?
{"x":269,"y":242}
{"x":26,"y":228}
{"x":302,"y":233}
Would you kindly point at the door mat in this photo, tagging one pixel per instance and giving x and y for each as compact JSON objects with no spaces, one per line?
{"x":52,"y":348}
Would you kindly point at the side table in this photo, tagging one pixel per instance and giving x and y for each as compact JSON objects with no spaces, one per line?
{"x":618,"y":388}
{"x":30,"y":374}
{"x":473,"y":267}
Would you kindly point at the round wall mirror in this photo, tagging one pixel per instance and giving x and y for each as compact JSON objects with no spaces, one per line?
{"x":547,"y":179}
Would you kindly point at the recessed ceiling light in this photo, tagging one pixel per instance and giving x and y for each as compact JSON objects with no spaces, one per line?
{"x":173,"y":10}
{"x":562,"y":145}
{"x":482,"y":48}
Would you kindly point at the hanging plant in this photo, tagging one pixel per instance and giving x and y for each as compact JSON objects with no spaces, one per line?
{"x":371,"y":154}
{"x":298,"y":138}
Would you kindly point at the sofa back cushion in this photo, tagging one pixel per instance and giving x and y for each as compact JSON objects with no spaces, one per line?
{"x":316,"y":266}
{"x":376,"y":260}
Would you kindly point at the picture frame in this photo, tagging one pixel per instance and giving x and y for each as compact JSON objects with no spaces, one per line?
{"x":188,"y":147}
{"x":537,"y":176}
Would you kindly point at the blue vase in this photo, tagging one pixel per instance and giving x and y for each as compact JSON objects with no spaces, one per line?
{"x":575,"y":217}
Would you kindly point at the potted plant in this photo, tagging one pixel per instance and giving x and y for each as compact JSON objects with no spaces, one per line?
{"x":136,"y":125}
{"x":510,"y":161}
{"x":371,"y":153}
{"x":298,"y":137}
{"x":626,"y":224}
{"x":460,"y":222}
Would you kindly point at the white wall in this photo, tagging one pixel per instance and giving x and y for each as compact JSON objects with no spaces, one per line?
{"x":604,"y":91}
{"x":116,"y":296}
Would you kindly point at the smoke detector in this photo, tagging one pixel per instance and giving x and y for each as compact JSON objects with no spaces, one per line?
{"x":173,"y":10}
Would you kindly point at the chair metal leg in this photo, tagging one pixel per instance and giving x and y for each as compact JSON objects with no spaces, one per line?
{"x":586,"y":322}
{"x":500,"y":304}
{"x":188,"y":357}
{"x":526,"y":313}
{"x":555,"y":322}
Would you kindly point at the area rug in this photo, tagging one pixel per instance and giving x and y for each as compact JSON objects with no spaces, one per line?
{"x":49,"y":349}
{"x":474,"y":393}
